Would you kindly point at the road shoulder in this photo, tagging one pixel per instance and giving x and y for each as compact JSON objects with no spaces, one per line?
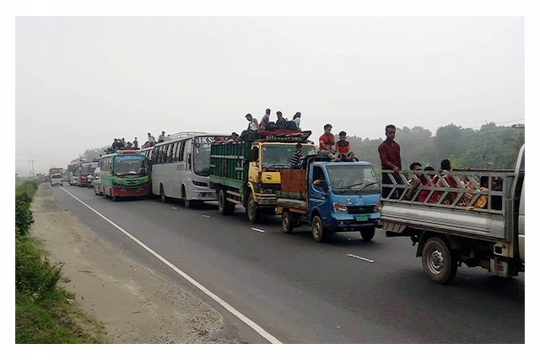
{"x":134,"y":304}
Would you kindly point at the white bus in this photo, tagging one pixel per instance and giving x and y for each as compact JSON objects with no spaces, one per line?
{"x":180,"y":167}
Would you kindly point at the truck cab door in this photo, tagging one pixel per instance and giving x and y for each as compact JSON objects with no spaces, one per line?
{"x":318,"y":193}
{"x":254,"y":168}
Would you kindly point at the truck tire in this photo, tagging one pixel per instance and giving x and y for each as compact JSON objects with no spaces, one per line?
{"x":286,"y":222}
{"x":317,"y":229}
{"x":367,"y":234}
{"x":225,"y":208}
{"x":252,"y":211}
{"x":439,"y":262}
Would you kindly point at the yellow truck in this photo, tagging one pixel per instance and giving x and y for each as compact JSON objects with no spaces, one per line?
{"x":247,"y":173}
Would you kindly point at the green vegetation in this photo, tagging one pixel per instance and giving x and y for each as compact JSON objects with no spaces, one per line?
{"x":490,"y":147}
{"x":44,"y":312}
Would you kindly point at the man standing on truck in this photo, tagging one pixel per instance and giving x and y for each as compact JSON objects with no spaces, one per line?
{"x":390,"y":154}
{"x":295,"y":158}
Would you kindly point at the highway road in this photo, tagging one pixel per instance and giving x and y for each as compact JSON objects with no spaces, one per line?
{"x":300,"y":291}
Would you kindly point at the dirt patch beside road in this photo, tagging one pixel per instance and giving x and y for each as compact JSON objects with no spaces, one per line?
{"x":134,"y":304}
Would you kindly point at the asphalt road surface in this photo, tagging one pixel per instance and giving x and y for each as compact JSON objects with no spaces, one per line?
{"x":301,"y":291}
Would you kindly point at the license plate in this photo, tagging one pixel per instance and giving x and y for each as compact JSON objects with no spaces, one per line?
{"x":361,"y":217}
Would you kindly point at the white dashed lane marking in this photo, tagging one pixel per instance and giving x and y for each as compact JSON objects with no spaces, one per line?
{"x":359,"y":257}
{"x":259,"y":230}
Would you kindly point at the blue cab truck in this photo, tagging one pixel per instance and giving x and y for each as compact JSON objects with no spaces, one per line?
{"x":330,"y":197}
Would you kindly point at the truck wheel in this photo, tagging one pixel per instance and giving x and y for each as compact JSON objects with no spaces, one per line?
{"x":440,"y":264}
{"x":367,"y":234}
{"x":252,"y":211}
{"x":164,"y":197}
{"x":317,"y":229}
{"x":224,"y":207}
{"x":286,"y":222}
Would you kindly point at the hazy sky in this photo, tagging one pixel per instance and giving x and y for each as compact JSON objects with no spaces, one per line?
{"x":80,"y":82}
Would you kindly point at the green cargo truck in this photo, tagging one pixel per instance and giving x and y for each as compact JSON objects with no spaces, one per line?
{"x":247,"y":173}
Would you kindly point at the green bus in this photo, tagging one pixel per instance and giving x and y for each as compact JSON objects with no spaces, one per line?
{"x":124,"y":174}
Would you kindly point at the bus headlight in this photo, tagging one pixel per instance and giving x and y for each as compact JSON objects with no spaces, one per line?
{"x":340,"y":208}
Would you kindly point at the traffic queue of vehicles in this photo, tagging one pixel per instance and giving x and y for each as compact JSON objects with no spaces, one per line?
{"x":328,"y":196}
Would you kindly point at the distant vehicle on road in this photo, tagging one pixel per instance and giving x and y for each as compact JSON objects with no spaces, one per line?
{"x":92,"y":167}
{"x":482,"y":224}
{"x":57,"y":180}
{"x":124,"y":174}
{"x":82,"y":173}
{"x":180,"y":167}
{"x":247,"y":173}
{"x":96,"y":182}
{"x":55,"y":171}
{"x":330,"y":197}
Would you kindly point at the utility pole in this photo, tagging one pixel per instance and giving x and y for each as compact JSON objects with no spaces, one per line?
{"x":33,"y":173}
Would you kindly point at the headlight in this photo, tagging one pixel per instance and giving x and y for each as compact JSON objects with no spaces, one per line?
{"x":377,"y":207}
{"x":340,"y":208}
{"x":199,"y":183}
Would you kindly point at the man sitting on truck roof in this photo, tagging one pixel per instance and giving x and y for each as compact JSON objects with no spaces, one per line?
{"x":265,"y":119}
{"x":326,"y":142}
{"x":343,"y":148}
{"x":253,"y":128}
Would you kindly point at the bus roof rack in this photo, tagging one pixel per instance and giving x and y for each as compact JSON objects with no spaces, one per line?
{"x":183,"y":134}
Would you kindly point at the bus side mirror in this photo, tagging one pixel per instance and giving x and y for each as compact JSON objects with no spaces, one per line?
{"x":143,"y":172}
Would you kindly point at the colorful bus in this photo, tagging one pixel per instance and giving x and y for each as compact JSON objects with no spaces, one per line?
{"x":124,"y":174}
{"x":81,"y":174}
{"x":180,"y":167}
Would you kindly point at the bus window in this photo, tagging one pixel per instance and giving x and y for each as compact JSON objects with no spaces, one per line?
{"x":180,"y":150}
{"x":157,"y":154}
{"x":170,"y":153}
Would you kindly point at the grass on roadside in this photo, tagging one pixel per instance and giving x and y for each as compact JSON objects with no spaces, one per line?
{"x":44,"y":311}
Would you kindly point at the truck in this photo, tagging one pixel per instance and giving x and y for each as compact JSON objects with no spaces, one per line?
{"x":246,"y":173}
{"x":474,"y":217}
{"x":330,"y":197}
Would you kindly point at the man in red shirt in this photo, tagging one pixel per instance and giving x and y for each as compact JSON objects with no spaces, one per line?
{"x":326,"y":142}
{"x":389,"y":152}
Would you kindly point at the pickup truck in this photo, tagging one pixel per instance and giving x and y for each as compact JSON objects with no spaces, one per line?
{"x":474,"y":217}
{"x":330,"y":197}
{"x":246,"y":173}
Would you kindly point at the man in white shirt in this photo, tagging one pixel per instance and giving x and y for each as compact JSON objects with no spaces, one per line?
{"x":161,"y":137}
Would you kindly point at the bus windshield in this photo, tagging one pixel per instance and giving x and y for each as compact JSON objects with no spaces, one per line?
{"x":85,"y":169}
{"x":353,"y":179}
{"x":201,"y":159}
{"x":280,"y":155}
{"x":129,"y":165}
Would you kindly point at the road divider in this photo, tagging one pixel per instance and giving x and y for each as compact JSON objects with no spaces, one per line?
{"x":258,"y":329}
